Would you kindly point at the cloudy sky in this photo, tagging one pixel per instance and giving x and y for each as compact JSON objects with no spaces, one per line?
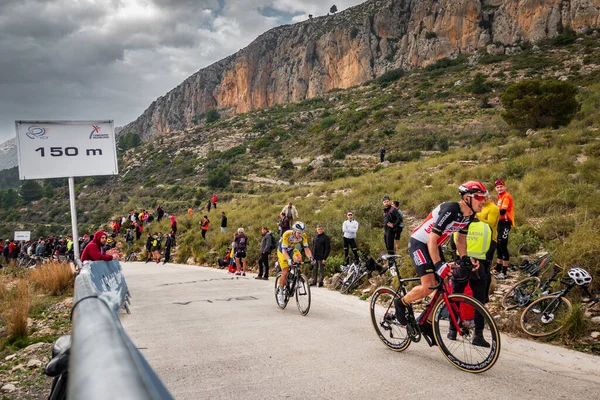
{"x":109,"y":59}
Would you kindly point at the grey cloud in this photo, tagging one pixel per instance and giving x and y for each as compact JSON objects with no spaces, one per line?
{"x":85,"y":59}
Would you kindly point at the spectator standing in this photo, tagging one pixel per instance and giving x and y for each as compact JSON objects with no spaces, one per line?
{"x":320,"y":251}
{"x":190,"y":211}
{"x":169,"y":243}
{"x":506,"y":222}
{"x":129,"y":238}
{"x":208,"y":205}
{"x":173,"y":224}
{"x":149,"y":241}
{"x":490,"y":214}
{"x":214,"y":200}
{"x":223,"y":222}
{"x":160,"y":213}
{"x":5,"y":251}
{"x":204,"y":224}
{"x":138,"y":230}
{"x":93,"y":251}
{"x":284,"y":224}
{"x":241,"y":241}
{"x":156,"y":245}
{"x":290,"y":212}
{"x":266,"y":244}
{"x":398,"y":231}
{"x":381,"y":154}
{"x":349,"y":229}
{"x":392,"y":220}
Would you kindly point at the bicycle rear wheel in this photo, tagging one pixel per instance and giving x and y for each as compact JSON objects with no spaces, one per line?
{"x":461,"y":351}
{"x":383,"y":318}
{"x":303,"y":295}
{"x":277,"y":278}
{"x":545,"y":316}
{"x":521,"y":293}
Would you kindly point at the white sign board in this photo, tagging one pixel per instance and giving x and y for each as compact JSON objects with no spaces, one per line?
{"x":61,"y":149}
{"x":22,"y":235}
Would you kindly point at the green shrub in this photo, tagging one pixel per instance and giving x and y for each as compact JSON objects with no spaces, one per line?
{"x":538,"y":104}
{"x":339,"y":153}
{"x":326,"y":123}
{"x":212,"y":115}
{"x":390,"y":76}
{"x":218,"y":178}
{"x":479,"y":84}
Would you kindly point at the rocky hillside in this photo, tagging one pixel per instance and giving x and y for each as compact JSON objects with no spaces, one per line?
{"x":8,"y":154}
{"x":296,"y":62}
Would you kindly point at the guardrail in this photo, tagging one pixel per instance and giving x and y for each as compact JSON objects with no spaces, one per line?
{"x":104,"y":362}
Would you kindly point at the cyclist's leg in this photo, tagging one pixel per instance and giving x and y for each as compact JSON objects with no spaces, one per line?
{"x":285,"y":269}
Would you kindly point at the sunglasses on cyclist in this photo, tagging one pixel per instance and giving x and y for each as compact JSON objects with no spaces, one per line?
{"x":349,"y":215}
{"x":478,"y":197}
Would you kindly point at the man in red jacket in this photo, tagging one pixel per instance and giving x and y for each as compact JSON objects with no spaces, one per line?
{"x":93,"y":251}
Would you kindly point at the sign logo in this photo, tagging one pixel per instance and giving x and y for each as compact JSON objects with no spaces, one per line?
{"x":36,"y":132}
{"x":95,"y":134}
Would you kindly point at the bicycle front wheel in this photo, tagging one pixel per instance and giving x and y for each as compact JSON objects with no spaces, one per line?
{"x":303,"y":295}
{"x":277,"y":278}
{"x":521,"y":293}
{"x":383,"y":318}
{"x":475,"y":346}
{"x":545,"y":316}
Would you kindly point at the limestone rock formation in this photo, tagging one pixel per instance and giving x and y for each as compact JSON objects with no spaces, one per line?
{"x":307,"y":59}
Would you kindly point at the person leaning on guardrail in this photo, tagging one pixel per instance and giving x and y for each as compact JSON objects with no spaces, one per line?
{"x":93,"y":251}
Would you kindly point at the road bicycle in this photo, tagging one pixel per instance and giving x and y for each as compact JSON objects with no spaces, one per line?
{"x":548,"y":314}
{"x":533,"y":268}
{"x":529,"y":289}
{"x":454,"y":318}
{"x":353,"y":274}
{"x":297,"y":284}
{"x":132,"y":256}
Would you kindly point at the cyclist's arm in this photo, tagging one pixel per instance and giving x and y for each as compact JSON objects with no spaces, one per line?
{"x":308,"y":252}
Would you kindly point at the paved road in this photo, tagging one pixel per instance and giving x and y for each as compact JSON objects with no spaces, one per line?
{"x":210,"y":335}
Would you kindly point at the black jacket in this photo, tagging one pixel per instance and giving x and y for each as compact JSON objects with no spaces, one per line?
{"x":223,"y":222}
{"x":321,"y":247}
{"x":393,"y":215}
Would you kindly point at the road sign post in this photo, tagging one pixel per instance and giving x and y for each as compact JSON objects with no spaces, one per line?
{"x":66,"y":149}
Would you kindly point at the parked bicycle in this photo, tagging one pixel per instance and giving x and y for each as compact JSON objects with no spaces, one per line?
{"x":548,"y":314}
{"x":297,"y":285}
{"x":533,"y":268}
{"x":132,"y":256}
{"x":353,"y":274}
{"x":529,"y":289}
{"x":454,"y":321}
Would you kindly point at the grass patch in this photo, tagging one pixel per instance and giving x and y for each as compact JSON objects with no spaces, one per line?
{"x":16,"y":303}
{"x":53,"y":279}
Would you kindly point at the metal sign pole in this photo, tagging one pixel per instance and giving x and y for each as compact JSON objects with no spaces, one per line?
{"x":74,"y":218}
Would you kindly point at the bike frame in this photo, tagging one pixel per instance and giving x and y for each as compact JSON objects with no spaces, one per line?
{"x":441,"y":292}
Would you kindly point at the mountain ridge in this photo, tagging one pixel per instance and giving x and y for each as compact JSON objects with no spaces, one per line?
{"x":304,"y":60}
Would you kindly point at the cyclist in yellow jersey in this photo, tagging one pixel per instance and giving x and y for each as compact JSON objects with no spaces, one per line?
{"x":286,"y":249}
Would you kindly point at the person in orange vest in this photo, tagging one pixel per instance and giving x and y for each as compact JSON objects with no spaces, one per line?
{"x":506,"y":222}
{"x":190,"y":211}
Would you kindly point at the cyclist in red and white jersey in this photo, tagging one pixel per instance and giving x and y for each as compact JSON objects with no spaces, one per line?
{"x":438,"y":227}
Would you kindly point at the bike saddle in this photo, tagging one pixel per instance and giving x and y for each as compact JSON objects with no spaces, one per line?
{"x":62,"y":344}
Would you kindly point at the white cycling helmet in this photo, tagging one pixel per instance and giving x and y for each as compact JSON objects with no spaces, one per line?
{"x":299,"y":227}
{"x":580,"y":276}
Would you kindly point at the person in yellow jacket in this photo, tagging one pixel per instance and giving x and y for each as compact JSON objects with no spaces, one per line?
{"x":479,"y":239}
{"x":490,"y":214}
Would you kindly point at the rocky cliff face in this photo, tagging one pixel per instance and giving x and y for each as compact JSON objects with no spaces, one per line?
{"x":307,"y":59}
